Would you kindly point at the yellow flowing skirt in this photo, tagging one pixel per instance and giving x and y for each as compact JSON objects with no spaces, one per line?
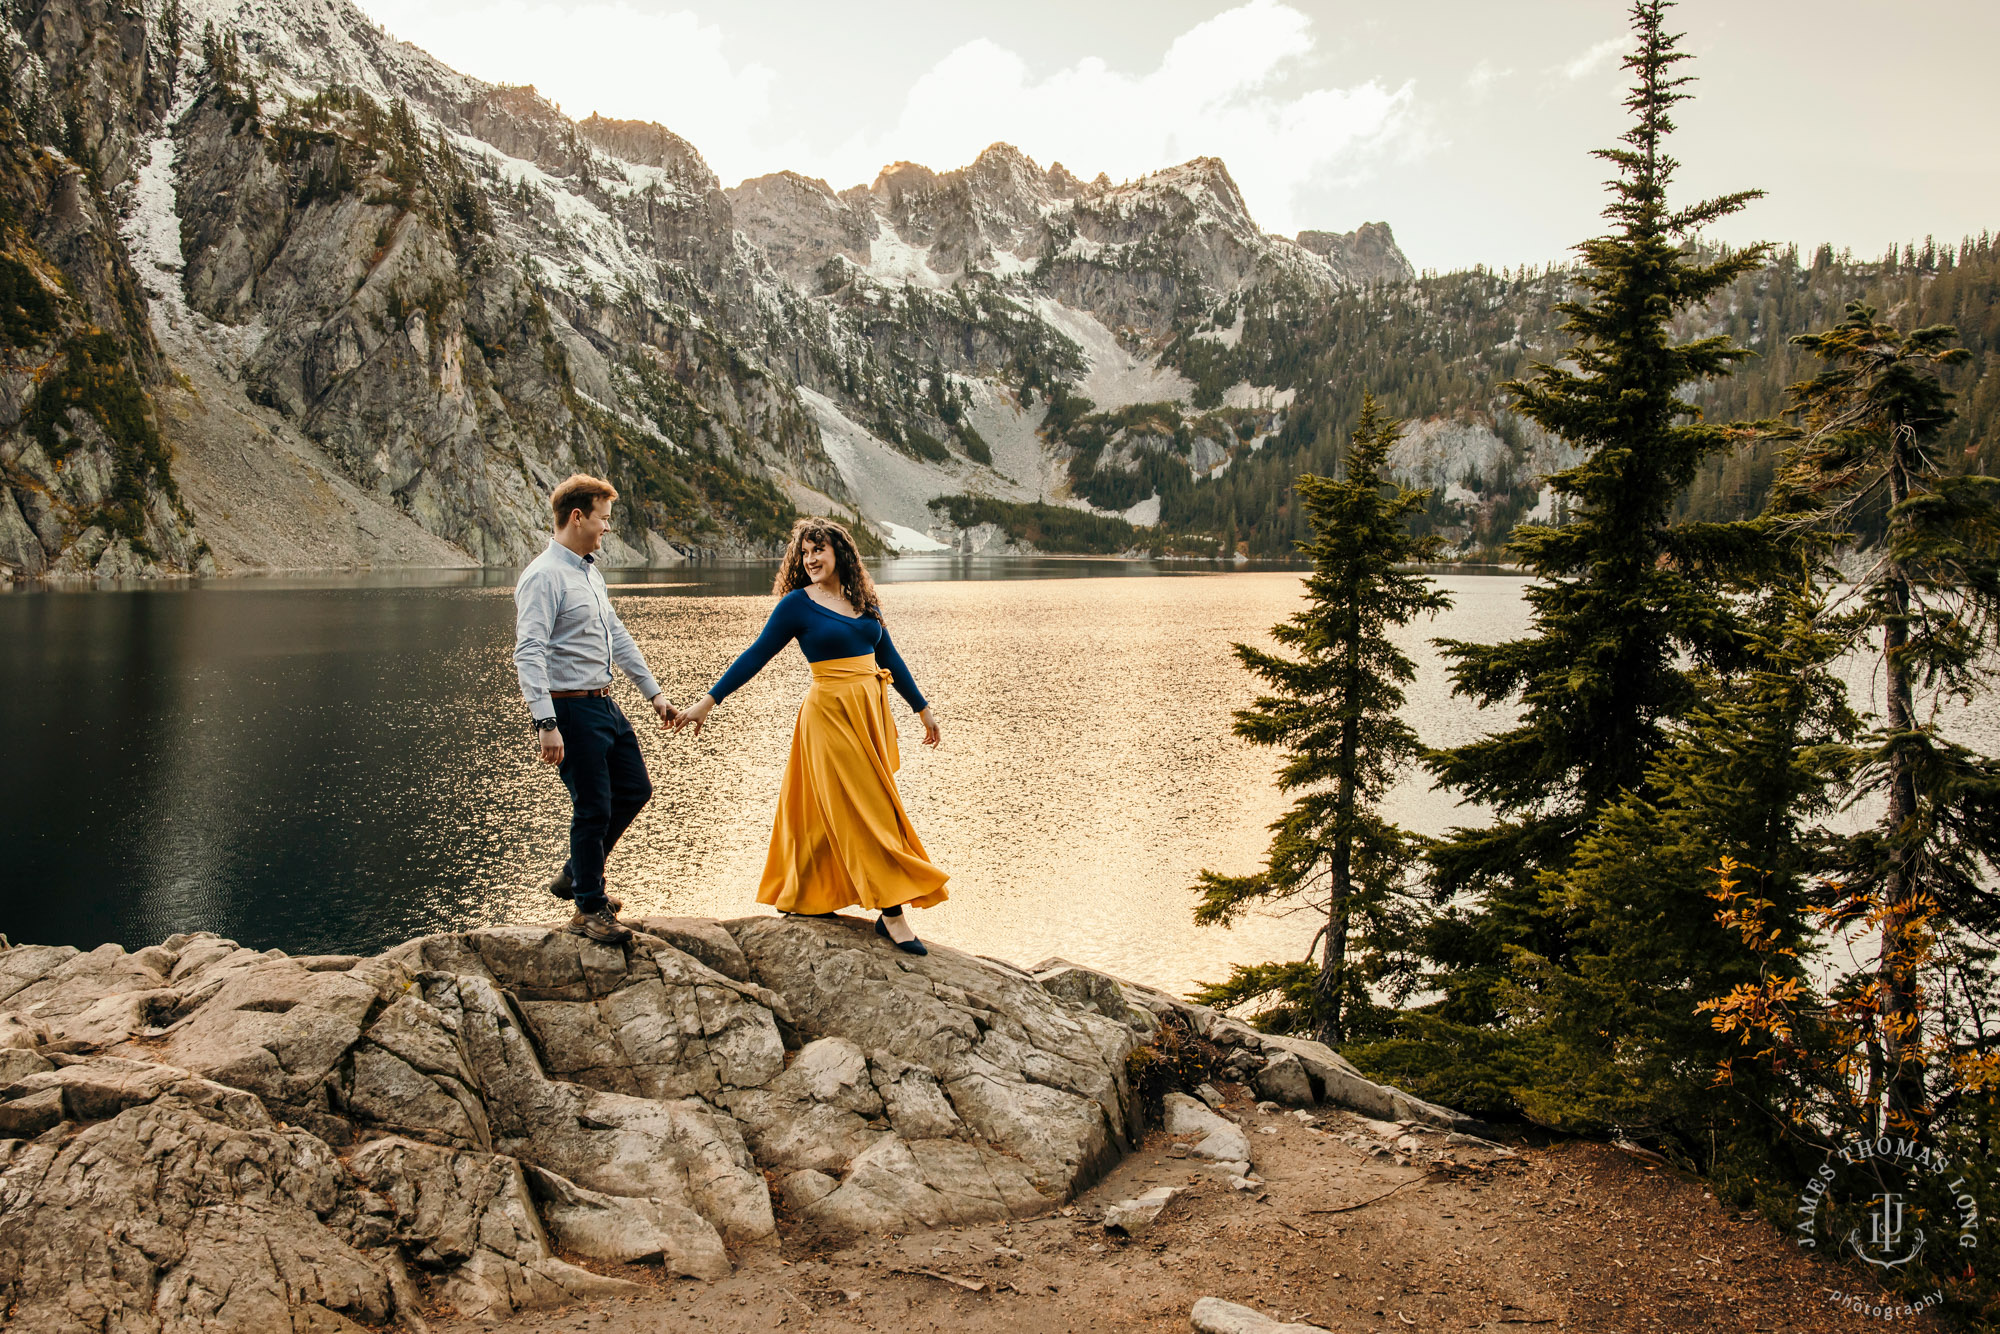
{"x":841,"y":836}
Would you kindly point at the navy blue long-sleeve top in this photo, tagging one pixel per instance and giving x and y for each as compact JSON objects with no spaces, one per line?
{"x":822,"y":633}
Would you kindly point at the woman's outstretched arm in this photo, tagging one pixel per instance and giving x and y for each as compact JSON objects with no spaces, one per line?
{"x":778,"y":631}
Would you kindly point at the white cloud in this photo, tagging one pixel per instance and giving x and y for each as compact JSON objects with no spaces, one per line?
{"x":1233,"y":86}
{"x":1482,"y":78}
{"x":1594,"y":59}
{"x":604,"y":56}
{"x":1225,"y":88}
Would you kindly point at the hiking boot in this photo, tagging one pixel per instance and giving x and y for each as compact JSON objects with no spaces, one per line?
{"x":563,"y":888}
{"x":599,"y":926}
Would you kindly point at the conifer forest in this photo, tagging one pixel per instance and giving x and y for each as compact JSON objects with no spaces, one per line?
{"x":1725,"y":908}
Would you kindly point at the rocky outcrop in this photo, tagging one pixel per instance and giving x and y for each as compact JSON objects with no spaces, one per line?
{"x":472,"y":1117}
{"x":1367,"y":255}
{"x":85,"y":484}
{"x":800,"y":223}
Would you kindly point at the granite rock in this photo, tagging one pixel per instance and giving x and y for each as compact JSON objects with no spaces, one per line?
{"x":1212,"y":1315}
{"x":1133,"y":1217}
{"x":450,"y":1112}
{"x":1221,"y":1138}
{"x":1283,"y":1079}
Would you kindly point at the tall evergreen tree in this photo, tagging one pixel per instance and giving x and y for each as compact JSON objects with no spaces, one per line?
{"x":1626,"y":602}
{"x":1747,"y":774}
{"x":1868,"y":425}
{"x":1334,"y":709}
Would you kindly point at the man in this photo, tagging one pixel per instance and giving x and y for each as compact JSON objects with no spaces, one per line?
{"x":566,"y":638}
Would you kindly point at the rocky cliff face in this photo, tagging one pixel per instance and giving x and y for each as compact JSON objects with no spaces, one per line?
{"x":87,"y":477}
{"x":288,"y":291}
{"x":1368,"y":254}
{"x":432,"y":1124}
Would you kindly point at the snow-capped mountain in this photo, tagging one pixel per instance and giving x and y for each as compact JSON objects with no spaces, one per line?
{"x":289,"y":292}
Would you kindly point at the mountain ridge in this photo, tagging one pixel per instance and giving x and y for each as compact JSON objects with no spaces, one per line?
{"x":428,"y":297}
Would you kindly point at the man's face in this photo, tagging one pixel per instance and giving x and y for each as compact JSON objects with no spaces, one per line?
{"x":587,"y":530}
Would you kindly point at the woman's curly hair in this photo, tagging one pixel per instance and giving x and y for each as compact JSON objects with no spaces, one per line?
{"x":855,"y":584}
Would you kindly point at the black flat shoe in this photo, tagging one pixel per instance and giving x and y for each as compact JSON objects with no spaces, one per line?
{"x":906,"y":946}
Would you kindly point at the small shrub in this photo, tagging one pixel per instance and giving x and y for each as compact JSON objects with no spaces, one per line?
{"x":975,"y":445}
{"x":926,"y":446}
{"x":1175,"y":1061}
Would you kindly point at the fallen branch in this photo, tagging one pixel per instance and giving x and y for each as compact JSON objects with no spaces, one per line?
{"x":970,"y":1285}
{"x":1347,"y":1208}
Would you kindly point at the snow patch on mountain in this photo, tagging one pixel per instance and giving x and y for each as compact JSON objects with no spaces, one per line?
{"x":1243,"y":394}
{"x":1006,"y":265}
{"x":891,"y":259}
{"x":891,"y":486}
{"x":150,"y":226}
{"x":152,"y":234}
{"x":1116,"y":378}
{"x":1144,"y":514}
{"x":909,"y":539}
{"x":1229,"y":337}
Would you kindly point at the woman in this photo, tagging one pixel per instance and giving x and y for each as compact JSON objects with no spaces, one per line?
{"x":841,"y":835}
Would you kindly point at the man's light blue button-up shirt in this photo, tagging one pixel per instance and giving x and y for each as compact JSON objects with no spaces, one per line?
{"x":566,"y":635}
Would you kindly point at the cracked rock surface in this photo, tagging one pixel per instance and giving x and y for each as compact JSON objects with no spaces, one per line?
{"x":196,"y":1135}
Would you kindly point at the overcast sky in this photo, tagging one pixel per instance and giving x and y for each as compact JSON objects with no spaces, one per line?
{"x":1465,"y":124}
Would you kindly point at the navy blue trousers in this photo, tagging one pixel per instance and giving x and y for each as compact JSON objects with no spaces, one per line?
{"x":606,"y":778}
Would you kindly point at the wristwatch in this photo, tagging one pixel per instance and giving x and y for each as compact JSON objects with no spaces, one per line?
{"x":545,"y":724}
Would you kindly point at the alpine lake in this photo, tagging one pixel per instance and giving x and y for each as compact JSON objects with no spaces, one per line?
{"x":336,"y":764}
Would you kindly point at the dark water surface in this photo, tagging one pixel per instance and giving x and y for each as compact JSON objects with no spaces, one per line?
{"x":336,"y":764}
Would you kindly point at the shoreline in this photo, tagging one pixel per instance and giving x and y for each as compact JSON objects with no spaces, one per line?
{"x":497,"y":575}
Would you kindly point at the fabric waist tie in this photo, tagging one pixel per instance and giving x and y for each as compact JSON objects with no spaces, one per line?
{"x":863,"y":672}
{"x":836,"y":670}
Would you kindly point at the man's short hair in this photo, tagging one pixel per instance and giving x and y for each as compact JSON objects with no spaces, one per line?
{"x":579,"y":491}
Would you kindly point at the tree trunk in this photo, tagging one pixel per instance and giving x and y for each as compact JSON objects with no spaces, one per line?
{"x":1332,"y":971}
{"x":1332,"y":980}
{"x":1901,"y":1091}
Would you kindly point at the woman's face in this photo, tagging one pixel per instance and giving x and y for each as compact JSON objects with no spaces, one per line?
{"x":820,"y":565}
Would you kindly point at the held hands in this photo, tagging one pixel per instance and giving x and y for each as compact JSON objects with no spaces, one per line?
{"x":693,"y":714}
{"x":664,"y":709}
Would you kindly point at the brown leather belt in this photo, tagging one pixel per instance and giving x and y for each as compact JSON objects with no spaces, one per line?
{"x":578,"y":694}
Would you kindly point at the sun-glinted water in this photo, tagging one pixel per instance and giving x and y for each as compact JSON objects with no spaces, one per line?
{"x":337,"y":765}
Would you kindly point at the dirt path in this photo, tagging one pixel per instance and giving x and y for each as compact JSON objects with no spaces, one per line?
{"x":1573,"y":1237}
